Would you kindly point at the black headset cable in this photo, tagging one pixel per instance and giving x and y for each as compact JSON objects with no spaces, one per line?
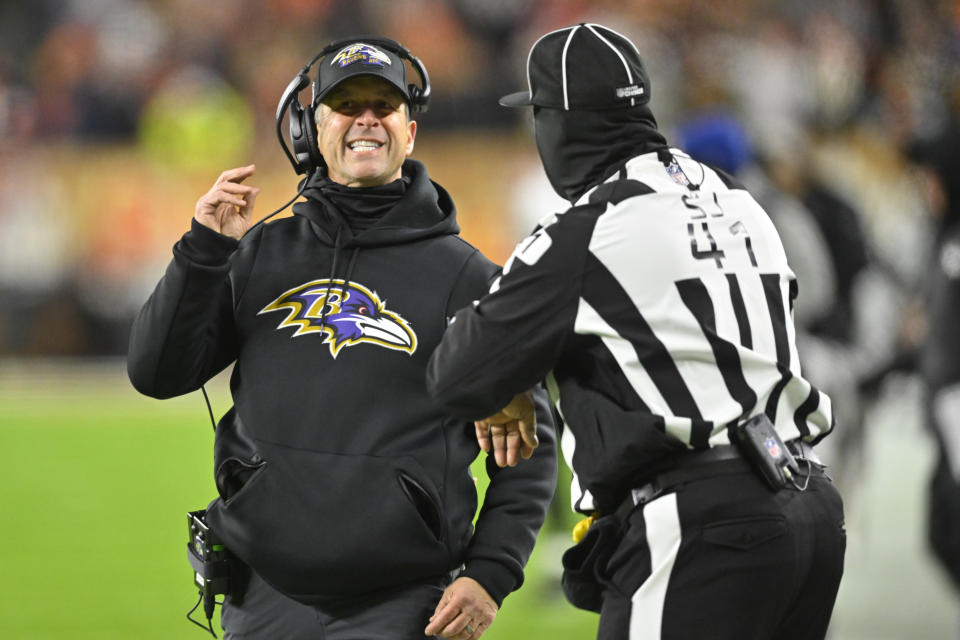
{"x":300,"y":191}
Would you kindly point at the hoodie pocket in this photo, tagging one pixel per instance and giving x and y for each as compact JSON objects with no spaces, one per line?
{"x":234,"y":474}
{"x":422,"y":502}
{"x":319,"y":526}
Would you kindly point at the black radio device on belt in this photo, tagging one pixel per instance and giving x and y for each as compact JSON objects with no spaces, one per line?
{"x":215,"y":570}
{"x":760,"y":443}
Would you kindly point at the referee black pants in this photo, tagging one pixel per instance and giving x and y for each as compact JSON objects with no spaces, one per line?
{"x":727,"y":558}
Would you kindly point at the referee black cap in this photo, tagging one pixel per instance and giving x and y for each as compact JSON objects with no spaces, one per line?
{"x":584,"y":67}
{"x":360,"y":58}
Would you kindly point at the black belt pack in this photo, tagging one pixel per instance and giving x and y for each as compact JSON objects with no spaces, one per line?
{"x":216,"y":571}
{"x":759,"y":442}
{"x":583,"y":563}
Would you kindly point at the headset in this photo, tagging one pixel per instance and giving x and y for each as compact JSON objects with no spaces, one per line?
{"x":306,"y":157}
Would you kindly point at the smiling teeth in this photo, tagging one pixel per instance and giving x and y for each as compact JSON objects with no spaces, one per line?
{"x":362,"y":145}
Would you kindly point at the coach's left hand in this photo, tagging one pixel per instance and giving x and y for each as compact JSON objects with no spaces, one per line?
{"x":464,"y":612}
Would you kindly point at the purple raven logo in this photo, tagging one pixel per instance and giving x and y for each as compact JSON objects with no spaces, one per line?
{"x":347,"y":313}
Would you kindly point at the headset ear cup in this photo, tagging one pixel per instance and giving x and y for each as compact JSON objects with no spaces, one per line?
{"x":298,"y":137}
{"x":312,"y":137}
{"x":303,"y":136}
{"x":416,"y":99}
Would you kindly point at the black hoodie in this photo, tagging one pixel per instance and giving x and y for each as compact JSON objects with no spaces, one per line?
{"x":338,"y":474}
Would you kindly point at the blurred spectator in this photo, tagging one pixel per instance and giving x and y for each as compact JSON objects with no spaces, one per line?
{"x":197,"y":121}
{"x":940,"y":352}
{"x":772,"y":82}
{"x":177,"y":85}
{"x":17,"y":116}
{"x":39,"y":314}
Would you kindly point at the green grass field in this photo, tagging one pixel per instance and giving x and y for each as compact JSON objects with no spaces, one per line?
{"x":96,"y":482}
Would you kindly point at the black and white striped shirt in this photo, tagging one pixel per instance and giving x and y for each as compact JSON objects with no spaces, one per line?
{"x":659,"y":308}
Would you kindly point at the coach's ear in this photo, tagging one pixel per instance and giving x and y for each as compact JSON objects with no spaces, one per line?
{"x":411,"y":135}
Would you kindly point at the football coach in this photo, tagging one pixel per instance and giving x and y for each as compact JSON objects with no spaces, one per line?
{"x":344,"y":487}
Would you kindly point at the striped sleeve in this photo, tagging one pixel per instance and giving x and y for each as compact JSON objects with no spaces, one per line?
{"x":510,"y":340}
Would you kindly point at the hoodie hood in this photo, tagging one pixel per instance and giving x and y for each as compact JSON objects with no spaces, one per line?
{"x":580,"y":149}
{"x":422,"y":209}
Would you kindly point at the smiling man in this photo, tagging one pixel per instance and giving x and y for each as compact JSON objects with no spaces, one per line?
{"x":343,"y":485}
{"x":365,"y":132}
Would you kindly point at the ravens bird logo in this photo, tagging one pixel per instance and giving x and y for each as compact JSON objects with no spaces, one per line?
{"x":360,"y":52}
{"x":346,"y":313}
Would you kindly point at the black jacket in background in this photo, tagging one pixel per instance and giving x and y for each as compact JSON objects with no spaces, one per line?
{"x":338,"y":474}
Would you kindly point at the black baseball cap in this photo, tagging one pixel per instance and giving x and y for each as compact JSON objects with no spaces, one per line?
{"x":360,"y":58}
{"x":583,"y":67}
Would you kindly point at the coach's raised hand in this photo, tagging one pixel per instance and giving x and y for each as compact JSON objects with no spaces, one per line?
{"x":228,"y":206}
{"x":511,"y":432}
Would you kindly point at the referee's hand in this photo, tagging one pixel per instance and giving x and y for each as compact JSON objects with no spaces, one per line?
{"x":511,"y":433}
{"x":228,"y":206}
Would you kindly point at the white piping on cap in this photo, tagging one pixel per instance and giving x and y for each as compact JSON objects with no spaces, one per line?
{"x":563,"y":68}
{"x":530,"y":55}
{"x":616,"y":51}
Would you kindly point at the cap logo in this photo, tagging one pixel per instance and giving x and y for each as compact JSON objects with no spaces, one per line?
{"x":630,"y":91}
{"x":360,"y":52}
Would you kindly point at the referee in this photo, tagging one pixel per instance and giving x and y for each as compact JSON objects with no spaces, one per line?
{"x":659,"y":311}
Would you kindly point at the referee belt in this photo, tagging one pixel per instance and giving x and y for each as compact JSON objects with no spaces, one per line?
{"x":715,"y":461}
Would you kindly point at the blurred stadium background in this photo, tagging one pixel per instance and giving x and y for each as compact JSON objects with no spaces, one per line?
{"x":115,"y":115}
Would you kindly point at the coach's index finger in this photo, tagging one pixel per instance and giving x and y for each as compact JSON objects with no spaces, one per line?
{"x":238,"y":174}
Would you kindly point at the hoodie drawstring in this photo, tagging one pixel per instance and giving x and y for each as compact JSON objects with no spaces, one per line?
{"x":333,"y":272}
{"x":350,"y":265}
